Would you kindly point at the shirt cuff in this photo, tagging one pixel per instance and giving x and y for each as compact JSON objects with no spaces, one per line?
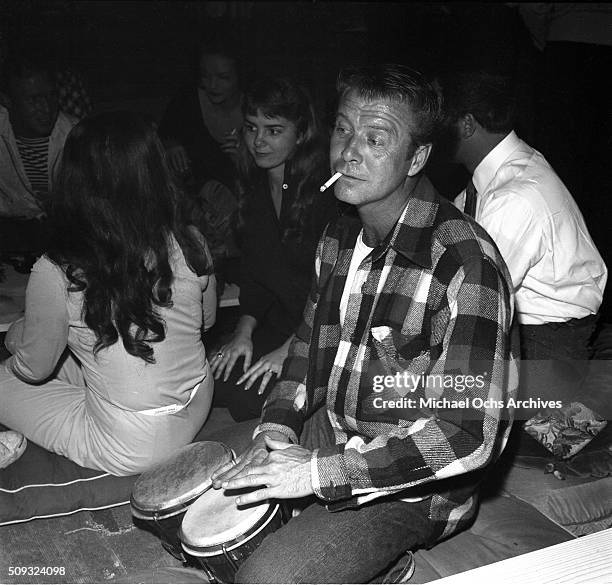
{"x":329,"y":474}
{"x":285,"y":430}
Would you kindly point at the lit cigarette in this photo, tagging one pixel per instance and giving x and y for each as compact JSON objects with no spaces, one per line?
{"x":330,"y":182}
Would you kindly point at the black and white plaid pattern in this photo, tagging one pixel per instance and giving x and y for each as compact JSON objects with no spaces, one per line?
{"x":72,"y":95}
{"x":435,"y":301}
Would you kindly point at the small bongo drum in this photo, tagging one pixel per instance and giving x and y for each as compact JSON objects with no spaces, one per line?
{"x":162,"y":495}
{"x":220,"y":536}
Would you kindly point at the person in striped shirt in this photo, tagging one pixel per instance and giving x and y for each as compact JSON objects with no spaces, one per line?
{"x":32,"y":136}
{"x":405,"y":344}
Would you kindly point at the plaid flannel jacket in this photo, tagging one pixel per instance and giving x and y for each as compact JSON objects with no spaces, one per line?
{"x":434,"y":300}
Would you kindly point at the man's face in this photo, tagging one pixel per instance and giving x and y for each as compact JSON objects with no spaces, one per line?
{"x":371,"y":147}
{"x":35,"y":105}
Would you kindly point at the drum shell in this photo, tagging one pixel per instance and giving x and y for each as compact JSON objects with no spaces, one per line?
{"x":165,"y":525}
{"x":161,"y":511}
{"x":223,"y":560}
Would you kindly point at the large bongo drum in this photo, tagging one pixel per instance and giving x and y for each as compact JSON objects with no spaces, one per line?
{"x":162,"y":495}
{"x":220,"y":536}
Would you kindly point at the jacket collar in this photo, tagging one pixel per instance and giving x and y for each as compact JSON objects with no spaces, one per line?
{"x":412,"y":234}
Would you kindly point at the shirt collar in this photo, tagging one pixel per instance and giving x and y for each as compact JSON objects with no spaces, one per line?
{"x":488,"y":166}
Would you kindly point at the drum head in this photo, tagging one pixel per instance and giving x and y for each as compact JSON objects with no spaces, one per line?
{"x":179,"y":479}
{"x":214,"y":519}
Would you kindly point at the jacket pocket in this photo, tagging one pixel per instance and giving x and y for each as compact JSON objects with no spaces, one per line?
{"x":401,"y":352}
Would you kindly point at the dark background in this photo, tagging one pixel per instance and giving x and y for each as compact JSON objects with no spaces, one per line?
{"x":134,"y":50}
{"x":138,"y":54}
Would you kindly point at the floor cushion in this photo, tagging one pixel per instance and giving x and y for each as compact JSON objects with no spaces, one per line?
{"x":582,"y":505}
{"x":42,"y":484}
{"x":505,"y":527}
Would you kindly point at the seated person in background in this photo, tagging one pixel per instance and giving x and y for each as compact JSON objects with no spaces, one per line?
{"x":282,"y":215}
{"x":108,"y":366}
{"x":557,"y":273}
{"x":408,"y":285}
{"x":72,"y":95}
{"x":32,"y":137}
{"x":201,"y":126}
{"x":201,"y":130}
{"x":213,"y":212}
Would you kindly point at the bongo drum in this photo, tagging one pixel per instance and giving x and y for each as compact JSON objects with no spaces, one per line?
{"x":161,"y":496}
{"x":220,"y":536}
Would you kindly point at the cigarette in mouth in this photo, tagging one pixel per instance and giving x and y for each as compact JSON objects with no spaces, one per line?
{"x":330,"y":182}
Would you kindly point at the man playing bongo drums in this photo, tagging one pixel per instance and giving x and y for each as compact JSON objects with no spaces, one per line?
{"x":405,"y":343}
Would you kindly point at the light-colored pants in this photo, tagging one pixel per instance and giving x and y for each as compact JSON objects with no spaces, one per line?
{"x":64,"y":416}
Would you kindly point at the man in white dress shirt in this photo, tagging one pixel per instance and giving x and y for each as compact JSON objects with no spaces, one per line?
{"x":557,"y":273}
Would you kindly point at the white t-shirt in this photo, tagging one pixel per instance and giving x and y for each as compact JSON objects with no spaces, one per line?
{"x":354,"y":279}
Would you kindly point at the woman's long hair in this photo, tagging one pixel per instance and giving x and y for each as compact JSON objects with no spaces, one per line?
{"x":282,"y":97}
{"x":113,"y":215}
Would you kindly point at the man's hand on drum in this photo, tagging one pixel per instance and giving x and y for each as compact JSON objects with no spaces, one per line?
{"x":278,"y":468}
{"x":266,"y":367}
{"x":257,"y":452}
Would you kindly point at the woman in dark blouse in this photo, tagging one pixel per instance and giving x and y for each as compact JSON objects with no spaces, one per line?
{"x":282,"y":163}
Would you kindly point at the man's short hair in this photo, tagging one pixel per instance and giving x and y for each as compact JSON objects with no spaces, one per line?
{"x":401,"y":84}
{"x":488,"y":96}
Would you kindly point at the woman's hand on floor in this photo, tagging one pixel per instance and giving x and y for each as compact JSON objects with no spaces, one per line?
{"x":266,"y":367}
{"x":223,"y":362}
{"x":177,"y":156}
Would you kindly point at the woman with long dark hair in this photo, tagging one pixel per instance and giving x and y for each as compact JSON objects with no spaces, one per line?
{"x":282,"y":161}
{"x":108,"y":366}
